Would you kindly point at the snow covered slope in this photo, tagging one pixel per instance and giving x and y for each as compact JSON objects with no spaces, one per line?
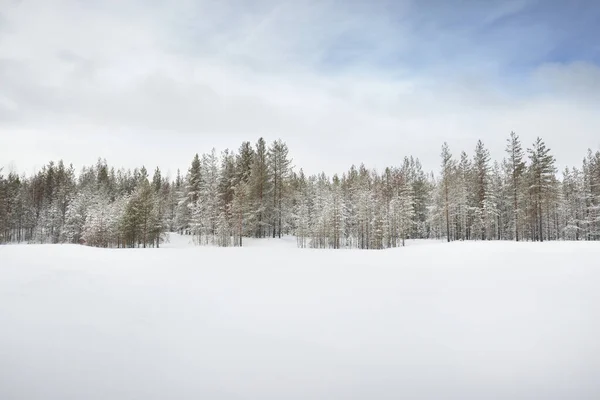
{"x":437,"y":321}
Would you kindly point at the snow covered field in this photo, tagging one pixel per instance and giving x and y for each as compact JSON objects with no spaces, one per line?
{"x":473,"y":320}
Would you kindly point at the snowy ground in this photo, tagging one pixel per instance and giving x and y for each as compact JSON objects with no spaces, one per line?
{"x":437,"y":321}
{"x":175,"y":240}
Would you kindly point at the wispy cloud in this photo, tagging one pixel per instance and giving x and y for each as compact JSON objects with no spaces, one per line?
{"x":341,"y":81}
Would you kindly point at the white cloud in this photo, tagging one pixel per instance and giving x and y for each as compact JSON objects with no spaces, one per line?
{"x":153,"y":85}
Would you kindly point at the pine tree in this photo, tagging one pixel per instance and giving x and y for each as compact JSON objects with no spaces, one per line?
{"x":240,"y":208}
{"x":189,"y":204}
{"x":255,"y":192}
{"x":542,"y":173}
{"x":279,"y":170}
{"x":403,"y":209}
{"x":4,"y":209}
{"x":463,"y":187}
{"x":302,"y":208}
{"x":448,"y":166}
{"x":481,"y":174}
{"x":337,"y":214}
{"x":591,"y":177}
{"x":515,"y":167}
{"x":157,"y":181}
{"x":259,"y":190}
{"x":76,"y":216}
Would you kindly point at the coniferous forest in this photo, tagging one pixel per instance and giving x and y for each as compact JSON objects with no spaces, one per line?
{"x":257,"y":192}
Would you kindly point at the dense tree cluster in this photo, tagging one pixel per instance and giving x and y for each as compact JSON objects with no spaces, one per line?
{"x":255,"y":192}
{"x":520,"y":198}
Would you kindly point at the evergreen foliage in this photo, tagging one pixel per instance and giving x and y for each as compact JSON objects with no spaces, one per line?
{"x":255,"y":192}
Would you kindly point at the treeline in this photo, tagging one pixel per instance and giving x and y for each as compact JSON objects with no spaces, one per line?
{"x":255,"y":192}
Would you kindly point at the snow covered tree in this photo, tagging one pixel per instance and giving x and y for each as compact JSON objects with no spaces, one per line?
{"x":448,"y":170}
{"x":515,"y":167}
{"x":591,"y":182}
{"x":260,"y":188}
{"x":279,"y":170}
{"x":541,"y":179}
{"x":403,"y":211}
{"x":189,"y":201}
{"x":481,"y":170}
{"x":255,"y":192}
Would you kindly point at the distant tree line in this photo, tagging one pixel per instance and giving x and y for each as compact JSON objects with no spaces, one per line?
{"x":255,"y":192}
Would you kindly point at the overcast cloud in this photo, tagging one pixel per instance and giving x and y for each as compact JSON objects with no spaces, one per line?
{"x":341,"y":82}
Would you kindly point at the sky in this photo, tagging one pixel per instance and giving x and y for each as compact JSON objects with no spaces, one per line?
{"x":342,"y":82}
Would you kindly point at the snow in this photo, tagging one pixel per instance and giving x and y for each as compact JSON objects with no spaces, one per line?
{"x":175,"y":240}
{"x":466,"y":320}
